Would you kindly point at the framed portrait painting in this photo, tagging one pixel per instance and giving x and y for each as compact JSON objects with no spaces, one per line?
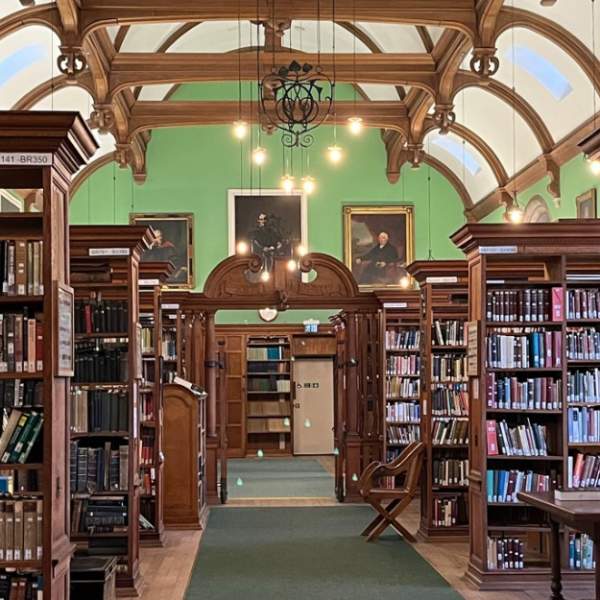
{"x":586,"y":205}
{"x":378,"y":244}
{"x":272,"y":224}
{"x":175,"y":243}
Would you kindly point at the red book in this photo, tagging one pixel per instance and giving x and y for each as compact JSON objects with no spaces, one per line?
{"x":557,"y":304}
{"x":87,"y":311}
{"x":492,"y":439}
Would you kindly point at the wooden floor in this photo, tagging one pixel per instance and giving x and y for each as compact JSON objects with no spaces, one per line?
{"x":166,"y":571}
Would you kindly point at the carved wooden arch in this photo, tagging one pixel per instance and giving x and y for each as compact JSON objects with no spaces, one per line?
{"x":45,"y":15}
{"x":235,"y":283}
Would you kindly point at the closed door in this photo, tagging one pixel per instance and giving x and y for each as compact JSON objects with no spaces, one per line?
{"x":313,"y":406}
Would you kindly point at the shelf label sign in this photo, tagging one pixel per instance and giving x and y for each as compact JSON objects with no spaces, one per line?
{"x":26,"y":159}
{"x":395,"y":305}
{"x":108,"y":252}
{"x":498,"y":250}
{"x":148,"y":282}
{"x":449,"y":279}
{"x":169,"y":306}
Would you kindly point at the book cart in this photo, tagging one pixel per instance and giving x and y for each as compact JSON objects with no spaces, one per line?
{"x":153,"y":276}
{"x":531,"y":365}
{"x":39,"y":154}
{"x":105,"y":399}
{"x":444,"y":398}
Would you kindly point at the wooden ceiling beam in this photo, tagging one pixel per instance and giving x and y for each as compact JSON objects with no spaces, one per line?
{"x":129,"y":70}
{"x":69,"y":14}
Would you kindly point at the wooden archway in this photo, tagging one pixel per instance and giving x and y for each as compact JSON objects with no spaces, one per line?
{"x":235,"y":283}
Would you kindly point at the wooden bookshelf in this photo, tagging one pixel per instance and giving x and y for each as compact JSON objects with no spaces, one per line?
{"x":153,"y":275}
{"x":53,"y":146}
{"x":444,"y":485}
{"x":269,"y":415}
{"x":108,"y":257}
{"x":400,"y":337}
{"x":500,"y":289}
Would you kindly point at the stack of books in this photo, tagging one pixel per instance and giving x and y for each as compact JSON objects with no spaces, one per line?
{"x":18,"y":393}
{"x":448,"y":512}
{"x":505,"y":553}
{"x":101,"y":362}
{"x":583,"y":425}
{"x":405,"y":339}
{"x":402,"y":435}
{"x":21,"y":342}
{"x":527,"y":305}
{"x":583,"y":386}
{"x":583,"y":471}
{"x":19,"y":436}
{"x":449,"y":472}
{"x":448,"y":333}
{"x":403,"y":365}
{"x":450,"y":401}
{"x":21,"y":522}
{"x":15,"y":586}
{"x":101,"y":316}
{"x":99,"y":410}
{"x":22,"y":267}
{"x":99,"y":515}
{"x":581,"y":552}
{"x":503,"y":486}
{"x":529,"y":348}
{"x":531,"y":393}
{"x":583,"y":303}
{"x":449,"y":432}
{"x":99,"y":469}
{"x":403,"y":411}
{"x":528,"y":439}
{"x":583,"y":344}
{"x":448,"y":367}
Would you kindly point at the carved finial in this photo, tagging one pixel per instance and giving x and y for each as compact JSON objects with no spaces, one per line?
{"x":444,"y":117}
{"x":415,"y":155}
{"x":71,"y":62}
{"x":484,"y":62}
{"x":102,"y":118}
{"x":122,"y":155}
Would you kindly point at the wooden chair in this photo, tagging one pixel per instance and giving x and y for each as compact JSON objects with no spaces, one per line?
{"x":389,"y":503}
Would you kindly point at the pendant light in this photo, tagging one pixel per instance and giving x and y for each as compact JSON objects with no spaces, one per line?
{"x":240,"y":127}
{"x":355,"y":123}
{"x":259,"y":154}
{"x":334,"y":152}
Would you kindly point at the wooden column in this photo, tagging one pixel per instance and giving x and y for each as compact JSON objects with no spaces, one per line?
{"x":212,"y":441}
{"x":352,"y":441}
{"x":223,"y":419}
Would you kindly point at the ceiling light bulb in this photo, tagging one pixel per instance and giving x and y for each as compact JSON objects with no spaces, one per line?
{"x":287,"y":183}
{"x":405,"y":281}
{"x":309,"y":184}
{"x":242,"y":248}
{"x":515,"y":214}
{"x":291,"y":265}
{"x":259,"y":156}
{"x":265,"y":276}
{"x":301,"y":251}
{"x":595,"y":166}
{"x":355,"y":125}
{"x":335,"y":154}
{"x":240,"y":129}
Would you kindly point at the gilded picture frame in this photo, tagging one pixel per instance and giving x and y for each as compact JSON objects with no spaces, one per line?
{"x":587,"y":207}
{"x":379,"y":243}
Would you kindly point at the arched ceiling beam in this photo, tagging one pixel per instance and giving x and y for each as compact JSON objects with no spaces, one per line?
{"x":579,"y":52}
{"x":69,"y":15}
{"x":120,"y":37}
{"x":89,"y":170}
{"x":425,"y":38}
{"x":38,"y":93}
{"x":454,"y":180}
{"x":467,"y":79}
{"x":46,"y":14}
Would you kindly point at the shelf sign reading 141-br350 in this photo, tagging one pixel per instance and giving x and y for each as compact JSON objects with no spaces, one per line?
{"x":25,"y":159}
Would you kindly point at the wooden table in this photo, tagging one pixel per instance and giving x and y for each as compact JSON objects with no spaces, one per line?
{"x":580,"y":515}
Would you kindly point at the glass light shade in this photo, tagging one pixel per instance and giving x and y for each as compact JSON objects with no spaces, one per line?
{"x":335,"y":154}
{"x":287,"y":184}
{"x":309,"y":184}
{"x":259,"y":156}
{"x":240,"y":129}
{"x":515,"y":214}
{"x":355,"y":125}
{"x":595,"y":166}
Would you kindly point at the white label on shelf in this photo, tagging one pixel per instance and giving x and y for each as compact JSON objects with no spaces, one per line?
{"x":498,"y":250}
{"x":26,"y":159}
{"x":108,"y":252}
{"x":495,"y":281}
{"x":169,"y":306}
{"x":450,"y":279}
{"x":147,"y":282}
{"x":395,"y":305}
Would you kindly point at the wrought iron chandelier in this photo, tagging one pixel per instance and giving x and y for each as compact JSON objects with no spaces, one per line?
{"x":296,"y":99}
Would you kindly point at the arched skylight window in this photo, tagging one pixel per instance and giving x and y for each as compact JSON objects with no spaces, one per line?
{"x":459,"y":151}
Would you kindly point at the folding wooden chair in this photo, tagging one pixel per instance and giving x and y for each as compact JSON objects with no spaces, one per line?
{"x":389,"y":503}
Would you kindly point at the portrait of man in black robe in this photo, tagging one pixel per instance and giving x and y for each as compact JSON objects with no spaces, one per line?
{"x":378,"y":259}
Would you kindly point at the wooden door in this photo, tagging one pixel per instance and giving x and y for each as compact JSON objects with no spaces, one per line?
{"x":313,"y":406}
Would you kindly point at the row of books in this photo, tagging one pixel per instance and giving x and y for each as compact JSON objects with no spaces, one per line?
{"x":19,"y":392}
{"x":583,"y":425}
{"x":402,"y":339}
{"x":505,"y":553}
{"x":21,"y":342}
{"x":99,"y":515}
{"x":583,"y":344}
{"x":147,"y":450}
{"x":99,"y":362}
{"x":401,"y":435}
{"x":448,"y":512}
{"x":20,"y":435}
{"x":146,"y":407}
{"x":19,"y":481}
{"x":101,"y":316}
{"x":503,"y":486}
{"x":99,"y":410}
{"x":450,"y":431}
{"x":21,"y":529}
{"x":581,"y":552}
{"x":529,"y":349}
{"x":403,"y":365}
{"x":400,"y":387}
{"x":527,"y":305}
{"x":169,"y":345}
{"x":528,"y":439}
{"x":451,"y":401}
{"x":450,"y":472}
{"x":583,"y":471}
{"x":99,"y":469}
{"x":448,"y":333}
{"x":21,"y":586}
{"x":148,"y":482}
{"x":583,"y":386}
{"x":532,"y":393}
{"x":583,"y":303}
{"x":403,"y":411}
{"x":266,"y":353}
{"x":22,"y":267}
{"x":448,"y":367}
{"x":267,"y":367}
{"x":268,"y":384}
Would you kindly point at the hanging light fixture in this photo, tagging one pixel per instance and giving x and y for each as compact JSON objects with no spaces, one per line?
{"x":240,"y":127}
{"x":308,"y":184}
{"x":335,"y":154}
{"x":515,"y":213}
{"x":287,"y":183}
{"x":355,"y":123}
{"x":259,"y":156}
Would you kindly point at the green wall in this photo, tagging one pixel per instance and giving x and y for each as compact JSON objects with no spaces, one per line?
{"x":190,"y":170}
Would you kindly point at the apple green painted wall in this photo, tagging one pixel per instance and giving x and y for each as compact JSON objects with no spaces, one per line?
{"x":190,"y":170}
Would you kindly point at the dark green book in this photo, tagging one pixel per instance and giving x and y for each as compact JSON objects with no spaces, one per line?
{"x":33,"y":436}
{"x":24,"y":437}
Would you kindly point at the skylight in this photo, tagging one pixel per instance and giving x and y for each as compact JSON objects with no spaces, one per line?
{"x":20,"y":60}
{"x":541,"y":69}
{"x":460,"y":152}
